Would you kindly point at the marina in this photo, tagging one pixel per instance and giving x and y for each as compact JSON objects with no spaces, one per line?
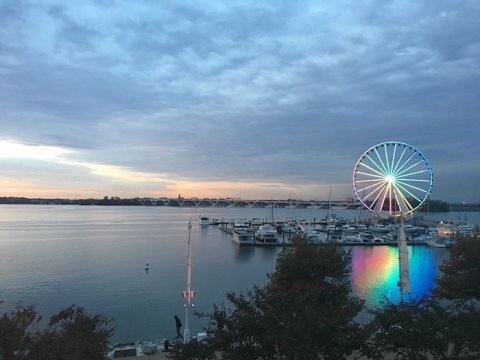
{"x":254,"y":232}
{"x":92,"y":256}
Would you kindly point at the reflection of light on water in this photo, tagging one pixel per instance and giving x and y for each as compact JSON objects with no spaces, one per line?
{"x":375,"y":272}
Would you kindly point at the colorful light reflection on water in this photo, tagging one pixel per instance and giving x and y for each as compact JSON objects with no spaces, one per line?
{"x":375,"y":271}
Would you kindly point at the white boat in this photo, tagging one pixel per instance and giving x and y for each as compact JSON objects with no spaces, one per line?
{"x":379,"y":228}
{"x":408,"y":228}
{"x":314,"y":236}
{"x":266,"y":233}
{"x":203,"y":220}
{"x":288,"y":229}
{"x":255,"y":223}
{"x":390,"y":237}
{"x":360,"y":238}
{"x":377,"y":239}
{"x":349,"y":229}
{"x":437,"y":242}
{"x":241,"y":225}
{"x":243,"y":237}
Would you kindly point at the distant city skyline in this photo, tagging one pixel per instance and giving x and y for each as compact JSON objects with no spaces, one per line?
{"x":238,"y":99}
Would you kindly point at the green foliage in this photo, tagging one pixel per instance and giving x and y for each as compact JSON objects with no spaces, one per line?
{"x":14,"y":337}
{"x":71,"y":334}
{"x":461,"y":273}
{"x":446,"y":325}
{"x":304,"y":312}
{"x":435,"y":206}
{"x":193,"y":350}
{"x":425,"y":329}
{"x":416,"y":330}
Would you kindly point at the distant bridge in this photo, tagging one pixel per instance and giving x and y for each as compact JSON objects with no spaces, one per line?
{"x":240,"y":203}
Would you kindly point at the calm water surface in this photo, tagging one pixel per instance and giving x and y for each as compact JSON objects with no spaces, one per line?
{"x":92,"y":256}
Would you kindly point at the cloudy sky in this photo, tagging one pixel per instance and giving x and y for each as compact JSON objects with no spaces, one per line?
{"x":251,"y":99}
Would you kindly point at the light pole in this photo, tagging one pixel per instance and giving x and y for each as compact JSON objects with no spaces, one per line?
{"x":188,"y":294}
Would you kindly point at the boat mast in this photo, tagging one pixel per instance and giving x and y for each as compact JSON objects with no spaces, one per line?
{"x":188,"y":294}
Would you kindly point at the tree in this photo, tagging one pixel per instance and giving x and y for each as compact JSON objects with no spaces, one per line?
{"x":418,"y":329}
{"x":14,"y":337}
{"x":193,"y":350}
{"x":443,"y":325}
{"x":304,"y":311}
{"x":461,"y":273}
{"x":71,"y":334}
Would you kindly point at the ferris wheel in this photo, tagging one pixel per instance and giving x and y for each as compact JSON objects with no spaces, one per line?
{"x":392,"y":178}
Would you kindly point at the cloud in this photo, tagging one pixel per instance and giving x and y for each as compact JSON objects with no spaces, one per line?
{"x":244,"y":92}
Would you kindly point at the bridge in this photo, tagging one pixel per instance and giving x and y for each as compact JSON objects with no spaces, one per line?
{"x":241,"y":203}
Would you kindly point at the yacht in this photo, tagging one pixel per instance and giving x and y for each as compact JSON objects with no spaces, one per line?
{"x":266,"y":233}
{"x":314,"y":236}
{"x":203,"y":220}
{"x":359,"y":238}
{"x":437,"y":241}
{"x":288,"y":229}
{"x":243,"y":237}
{"x":379,"y":228}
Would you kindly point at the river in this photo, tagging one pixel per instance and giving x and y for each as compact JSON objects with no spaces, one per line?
{"x":95,"y":257}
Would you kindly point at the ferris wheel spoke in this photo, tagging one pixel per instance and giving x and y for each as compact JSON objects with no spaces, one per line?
{"x":413,"y":180}
{"x":413,"y":187}
{"x":408,"y":192}
{"x":370,"y":168}
{"x":398,"y":171}
{"x":399,"y":160}
{"x":378,"y":184}
{"x":389,"y":170}
{"x":385,"y":170}
{"x":382,"y":177}
{"x":384,"y":191}
{"x":379,"y":171}
{"x":414,"y":173}
{"x":374,"y":203}
{"x":393,"y":157}
{"x":412,"y":166}
{"x":375,"y":191}
{"x":368,"y":180}
{"x":403,"y":203}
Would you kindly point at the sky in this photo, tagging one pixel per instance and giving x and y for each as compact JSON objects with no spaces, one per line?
{"x":250,"y":99}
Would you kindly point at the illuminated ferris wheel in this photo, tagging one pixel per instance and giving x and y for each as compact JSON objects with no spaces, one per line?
{"x":392,"y":178}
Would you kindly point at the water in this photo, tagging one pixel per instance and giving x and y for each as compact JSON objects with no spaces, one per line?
{"x":95,"y":257}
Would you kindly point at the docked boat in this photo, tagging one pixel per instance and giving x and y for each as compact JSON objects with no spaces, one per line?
{"x":359,"y":238}
{"x":203,"y":220}
{"x":390,"y":237}
{"x":255,"y":223}
{"x":289,"y":229}
{"x":379,"y":228}
{"x":266,"y":233}
{"x":314,"y":236}
{"x":349,"y":229}
{"x":437,"y":242}
{"x":243,"y":237}
{"x":408,"y":228}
